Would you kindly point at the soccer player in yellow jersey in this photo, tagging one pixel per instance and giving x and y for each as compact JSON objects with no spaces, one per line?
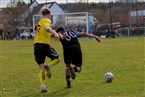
{"x":42,"y":47}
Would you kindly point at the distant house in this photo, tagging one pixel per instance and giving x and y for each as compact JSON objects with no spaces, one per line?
{"x":11,"y":17}
{"x":35,"y":8}
{"x":59,"y":17}
{"x":27,"y":11}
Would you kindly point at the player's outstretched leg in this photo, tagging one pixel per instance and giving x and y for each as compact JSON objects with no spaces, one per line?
{"x":48,"y":72}
{"x":72,"y":72}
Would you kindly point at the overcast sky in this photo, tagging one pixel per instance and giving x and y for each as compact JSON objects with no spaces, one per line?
{"x":3,"y":3}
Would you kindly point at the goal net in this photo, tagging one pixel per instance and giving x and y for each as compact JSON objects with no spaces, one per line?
{"x":80,"y":21}
{"x":130,"y":32}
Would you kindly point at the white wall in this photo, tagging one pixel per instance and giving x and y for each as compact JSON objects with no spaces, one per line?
{"x":140,"y":13}
{"x":56,"y":9}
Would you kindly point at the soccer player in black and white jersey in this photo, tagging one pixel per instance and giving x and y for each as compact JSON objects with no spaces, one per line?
{"x":72,"y":51}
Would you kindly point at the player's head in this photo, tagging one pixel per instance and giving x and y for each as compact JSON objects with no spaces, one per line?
{"x":46,"y":12}
{"x":60,"y":29}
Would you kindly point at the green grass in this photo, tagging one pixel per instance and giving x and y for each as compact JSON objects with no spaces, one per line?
{"x":123,"y":57}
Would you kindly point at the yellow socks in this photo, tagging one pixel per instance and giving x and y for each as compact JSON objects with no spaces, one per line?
{"x":42,"y":73}
{"x":42,"y":77}
{"x":54,"y":62}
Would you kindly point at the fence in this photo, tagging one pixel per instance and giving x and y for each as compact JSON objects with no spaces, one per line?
{"x":130,"y":32}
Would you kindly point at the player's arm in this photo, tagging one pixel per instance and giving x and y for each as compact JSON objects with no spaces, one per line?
{"x":48,"y":29}
{"x":62,"y":35}
{"x":36,"y":27}
{"x":90,"y":36}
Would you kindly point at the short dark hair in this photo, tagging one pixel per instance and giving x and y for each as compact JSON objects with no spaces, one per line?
{"x":45,"y":11}
{"x":60,"y":29}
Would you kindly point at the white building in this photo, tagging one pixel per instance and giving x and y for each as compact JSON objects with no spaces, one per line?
{"x":128,"y":1}
{"x":137,"y":17}
{"x":35,"y":8}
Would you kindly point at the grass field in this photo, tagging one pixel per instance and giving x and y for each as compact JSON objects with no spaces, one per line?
{"x":123,"y":57}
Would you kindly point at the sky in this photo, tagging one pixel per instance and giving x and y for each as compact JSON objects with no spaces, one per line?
{"x":3,"y":3}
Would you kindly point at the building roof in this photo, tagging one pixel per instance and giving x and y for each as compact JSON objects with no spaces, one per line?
{"x":40,"y":6}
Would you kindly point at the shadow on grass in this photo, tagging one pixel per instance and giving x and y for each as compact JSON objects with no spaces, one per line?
{"x":59,"y":93}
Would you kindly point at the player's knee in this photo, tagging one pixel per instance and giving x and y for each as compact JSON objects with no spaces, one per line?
{"x":67,"y":65}
{"x":79,"y":69}
{"x":41,"y":67}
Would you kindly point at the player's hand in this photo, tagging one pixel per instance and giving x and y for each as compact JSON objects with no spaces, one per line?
{"x":64,"y":36}
{"x":98,"y":39}
{"x":56,"y":36}
{"x":61,"y":36}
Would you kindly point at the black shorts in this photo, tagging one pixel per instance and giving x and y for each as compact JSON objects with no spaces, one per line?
{"x":43,"y":50}
{"x":73,"y":56}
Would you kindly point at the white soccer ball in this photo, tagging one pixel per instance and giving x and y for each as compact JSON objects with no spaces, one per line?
{"x":108,"y":77}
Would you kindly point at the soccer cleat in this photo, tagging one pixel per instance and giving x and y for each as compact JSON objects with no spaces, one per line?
{"x":43,"y":91}
{"x":47,"y":67}
{"x":43,"y":88}
{"x":73,"y":75}
{"x":98,"y":39}
{"x":68,"y":84}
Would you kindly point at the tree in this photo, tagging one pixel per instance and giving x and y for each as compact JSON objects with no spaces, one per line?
{"x":14,"y":11}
